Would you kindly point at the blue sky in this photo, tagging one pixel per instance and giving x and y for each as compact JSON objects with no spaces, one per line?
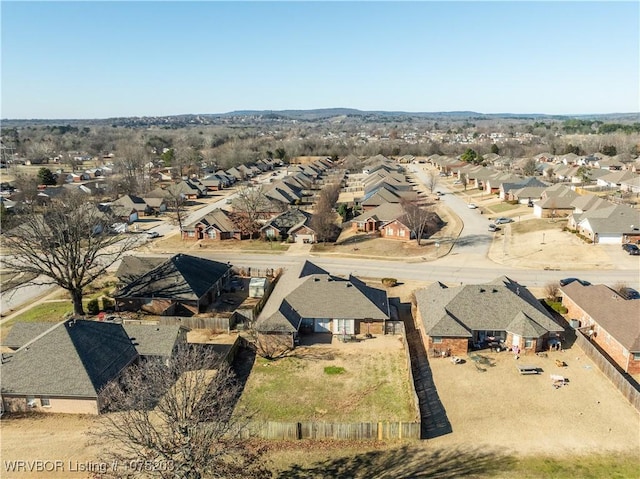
{"x":107,"y":59}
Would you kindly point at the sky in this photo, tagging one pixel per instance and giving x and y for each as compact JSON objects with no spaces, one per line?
{"x":85,"y":59}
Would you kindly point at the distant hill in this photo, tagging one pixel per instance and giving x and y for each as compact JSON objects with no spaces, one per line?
{"x":321,"y":114}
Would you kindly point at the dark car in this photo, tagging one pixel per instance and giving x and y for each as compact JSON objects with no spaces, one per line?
{"x":629,"y":293}
{"x":631,"y":248}
{"x":566,"y":281}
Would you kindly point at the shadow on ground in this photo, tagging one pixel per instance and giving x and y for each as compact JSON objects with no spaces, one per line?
{"x":406,"y":462}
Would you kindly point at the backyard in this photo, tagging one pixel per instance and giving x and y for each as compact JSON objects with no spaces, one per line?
{"x":352,"y":382}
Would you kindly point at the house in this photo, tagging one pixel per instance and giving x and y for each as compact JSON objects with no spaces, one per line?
{"x":217,"y":225}
{"x":64,"y":368}
{"x":608,"y":223}
{"x":372,"y":220}
{"x":293,"y":223}
{"x":507,"y":189}
{"x":75,"y":359}
{"x":458,"y":318}
{"x":185,"y":189}
{"x":132,"y":267}
{"x":556,"y":202}
{"x":182,"y":286}
{"x":308,"y":300}
{"x":131,"y":202}
{"x":613,"y":321}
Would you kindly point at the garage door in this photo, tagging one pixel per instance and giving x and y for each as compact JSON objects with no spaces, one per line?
{"x":304,"y":238}
{"x":610,"y":239}
{"x":344,"y":326}
{"x":322,"y":326}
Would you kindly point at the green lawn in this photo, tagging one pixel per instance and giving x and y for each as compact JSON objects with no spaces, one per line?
{"x":374,"y":386}
{"x":502,"y":207}
{"x":51,"y":311}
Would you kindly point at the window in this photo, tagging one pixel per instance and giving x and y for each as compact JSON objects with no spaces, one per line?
{"x":191,"y":234}
{"x":389,"y":231}
{"x":212,"y":234}
{"x":636,"y":356}
{"x":401,"y":232}
{"x":45,"y":402}
{"x":437,"y":340}
{"x":528,"y":343}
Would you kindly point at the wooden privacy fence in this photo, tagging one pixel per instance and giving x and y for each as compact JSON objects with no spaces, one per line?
{"x":195,"y":322}
{"x":326,"y":430}
{"x":620,"y":380}
{"x":412,"y":383}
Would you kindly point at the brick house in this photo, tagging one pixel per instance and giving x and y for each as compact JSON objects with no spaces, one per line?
{"x":395,"y":229}
{"x":215,"y":226}
{"x":181,"y":286}
{"x":309,"y":300}
{"x":455,"y":319}
{"x":614,"y":322}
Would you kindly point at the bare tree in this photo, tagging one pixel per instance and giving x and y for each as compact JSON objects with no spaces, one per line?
{"x":251,"y":203}
{"x":419,"y":220}
{"x":432,"y":181}
{"x":66,"y":244}
{"x":178,"y":420}
{"x":552,"y":290}
{"x":177,"y":203}
{"x":530,"y":166}
{"x":324,"y":217}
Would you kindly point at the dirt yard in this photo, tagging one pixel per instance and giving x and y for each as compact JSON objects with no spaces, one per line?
{"x":526,"y":414}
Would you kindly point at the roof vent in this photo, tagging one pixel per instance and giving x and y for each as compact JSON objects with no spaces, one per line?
{"x":482,"y":290}
{"x":316,"y":279}
{"x":349,"y":285}
{"x":494,"y":290}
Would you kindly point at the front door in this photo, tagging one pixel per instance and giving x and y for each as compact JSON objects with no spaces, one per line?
{"x":516,"y":340}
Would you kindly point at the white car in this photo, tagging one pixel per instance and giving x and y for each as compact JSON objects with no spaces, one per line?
{"x":472,"y":206}
{"x":152,"y":234}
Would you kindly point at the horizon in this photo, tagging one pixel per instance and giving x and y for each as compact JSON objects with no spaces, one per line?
{"x":101,"y":60}
{"x":301,"y":110}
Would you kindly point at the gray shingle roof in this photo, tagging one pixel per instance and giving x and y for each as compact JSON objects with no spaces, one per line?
{"x":497,"y":306}
{"x":72,"y":359}
{"x":154,"y":340}
{"x":133,"y":267}
{"x":21,"y":333}
{"x":182,"y":277}
{"x":302,"y":293}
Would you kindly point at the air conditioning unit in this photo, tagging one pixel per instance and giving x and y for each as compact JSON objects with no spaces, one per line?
{"x":32,"y":403}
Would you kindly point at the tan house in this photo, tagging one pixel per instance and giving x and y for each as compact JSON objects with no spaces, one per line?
{"x":612,"y":322}
{"x":62,"y":368}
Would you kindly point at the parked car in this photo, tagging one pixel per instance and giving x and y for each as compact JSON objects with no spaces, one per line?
{"x":631,"y":248}
{"x":439,"y":193}
{"x":493,"y":227}
{"x":566,"y":281}
{"x":472,"y":206}
{"x":153,"y":234}
{"x":502,"y":220}
{"x":457,"y":182}
{"x":629,"y":293}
